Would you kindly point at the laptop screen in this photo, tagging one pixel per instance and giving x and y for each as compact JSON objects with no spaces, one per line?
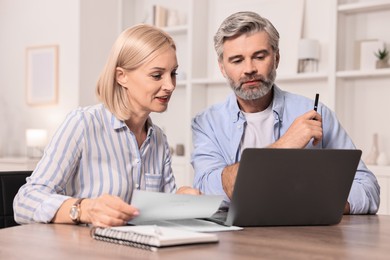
{"x":292,"y":186}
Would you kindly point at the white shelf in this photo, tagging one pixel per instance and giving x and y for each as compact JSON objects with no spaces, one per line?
{"x":355,"y":22}
{"x":337,"y":24}
{"x":280,"y":78}
{"x":364,"y":7}
{"x":179,"y":29}
{"x":363,"y":73}
{"x":191,"y":46}
{"x":302,"y":77}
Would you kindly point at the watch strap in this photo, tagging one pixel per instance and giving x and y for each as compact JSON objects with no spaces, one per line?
{"x":76,"y":207}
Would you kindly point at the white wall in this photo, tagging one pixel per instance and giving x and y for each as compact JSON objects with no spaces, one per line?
{"x":84,"y":31}
{"x":100,"y":24}
{"x":26,"y":23}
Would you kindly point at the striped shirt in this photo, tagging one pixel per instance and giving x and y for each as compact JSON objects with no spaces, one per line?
{"x":93,"y":153}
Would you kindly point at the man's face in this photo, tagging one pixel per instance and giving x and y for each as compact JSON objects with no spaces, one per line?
{"x":249,"y":64}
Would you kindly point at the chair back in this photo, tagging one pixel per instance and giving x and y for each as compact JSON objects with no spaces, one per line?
{"x":10,"y":182}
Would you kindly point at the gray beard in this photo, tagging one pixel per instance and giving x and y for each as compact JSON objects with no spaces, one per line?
{"x":253,"y":93}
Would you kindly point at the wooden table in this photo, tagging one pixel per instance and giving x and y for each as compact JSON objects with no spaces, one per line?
{"x":356,"y":237}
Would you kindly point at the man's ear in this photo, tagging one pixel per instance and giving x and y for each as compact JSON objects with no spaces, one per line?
{"x":222,"y":68}
{"x":277,"y":59}
{"x":121,"y":76}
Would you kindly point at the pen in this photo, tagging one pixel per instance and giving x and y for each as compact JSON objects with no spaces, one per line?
{"x":316,"y":102}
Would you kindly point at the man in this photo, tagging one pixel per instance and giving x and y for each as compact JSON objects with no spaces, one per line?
{"x":259,"y":114}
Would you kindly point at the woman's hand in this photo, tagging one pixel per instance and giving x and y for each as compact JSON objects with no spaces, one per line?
{"x":107,"y":210}
{"x":188,"y":190}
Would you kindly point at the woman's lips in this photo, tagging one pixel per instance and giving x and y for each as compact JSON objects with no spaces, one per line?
{"x":163,"y":99}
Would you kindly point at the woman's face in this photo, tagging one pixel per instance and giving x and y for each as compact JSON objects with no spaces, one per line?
{"x":150,"y":87}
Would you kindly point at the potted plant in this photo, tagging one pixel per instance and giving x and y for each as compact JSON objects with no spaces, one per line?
{"x":383,"y":56}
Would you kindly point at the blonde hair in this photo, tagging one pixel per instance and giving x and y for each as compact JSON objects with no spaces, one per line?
{"x":134,"y":47}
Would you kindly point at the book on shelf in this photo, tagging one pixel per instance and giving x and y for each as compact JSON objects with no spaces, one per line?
{"x":160,"y":16}
{"x":151,"y":237}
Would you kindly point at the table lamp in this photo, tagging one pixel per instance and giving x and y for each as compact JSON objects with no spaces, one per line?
{"x":36,"y":140}
{"x":308,"y":55}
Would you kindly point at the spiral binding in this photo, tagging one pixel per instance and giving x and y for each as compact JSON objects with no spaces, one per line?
{"x":132,"y":239}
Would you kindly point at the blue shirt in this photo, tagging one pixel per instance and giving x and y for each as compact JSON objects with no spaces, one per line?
{"x":93,"y":153}
{"x":217,"y":133}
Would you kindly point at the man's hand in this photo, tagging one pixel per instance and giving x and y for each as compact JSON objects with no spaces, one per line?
{"x":304,"y":128}
{"x":188,"y":190}
{"x":347,"y":208}
{"x":229,"y":175}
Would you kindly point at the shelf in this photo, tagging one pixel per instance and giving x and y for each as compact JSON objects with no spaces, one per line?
{"x":364,"y":7}
{"x":179,"y":29}
{"x":302,"y":77}
{"x":339,"y":25}
{"x":280,"y":78}
{"x":354,"y":74}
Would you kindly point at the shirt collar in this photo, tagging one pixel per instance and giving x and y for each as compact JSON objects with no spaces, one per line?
{"x":278,"y":102}
{"x":116,"y":123}
{"x":277,"y":106}
{"x":149,"y":127}
{"x":234,"y":108}
{"x":119,"y":124}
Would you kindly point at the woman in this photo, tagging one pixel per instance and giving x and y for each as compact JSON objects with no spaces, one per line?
{"x":100,"y":154}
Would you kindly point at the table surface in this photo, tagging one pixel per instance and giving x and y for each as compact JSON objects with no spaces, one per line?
{"x":355,"y":237}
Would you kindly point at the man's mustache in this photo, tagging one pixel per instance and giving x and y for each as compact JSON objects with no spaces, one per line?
{"x":253,"y":78}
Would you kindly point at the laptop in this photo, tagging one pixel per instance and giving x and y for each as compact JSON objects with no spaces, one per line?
{"x":290,"y":187}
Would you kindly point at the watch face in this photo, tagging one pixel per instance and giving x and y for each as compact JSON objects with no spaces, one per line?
{"x":74,"y":212}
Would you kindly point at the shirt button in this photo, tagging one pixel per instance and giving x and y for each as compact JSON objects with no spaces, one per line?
{"x":137,"y":185}
{"x":137,"y":161}
{"x":239,"y":127}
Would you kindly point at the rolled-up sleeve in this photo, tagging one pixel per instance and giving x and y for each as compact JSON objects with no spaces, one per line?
{"x":40,"y":198}
{"x":207,"y":162}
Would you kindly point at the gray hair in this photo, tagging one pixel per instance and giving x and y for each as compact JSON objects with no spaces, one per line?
{"x":241,"y":23}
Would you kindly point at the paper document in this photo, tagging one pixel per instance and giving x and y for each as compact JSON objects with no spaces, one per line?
{"x":198,"y":225}
{"x":155,"y":206}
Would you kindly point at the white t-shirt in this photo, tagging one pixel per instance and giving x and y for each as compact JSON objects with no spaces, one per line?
{"x":259,"y":129}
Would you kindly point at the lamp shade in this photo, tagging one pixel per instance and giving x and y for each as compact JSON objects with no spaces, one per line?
{"x":308,"y":49}
{"x":36,"y":137}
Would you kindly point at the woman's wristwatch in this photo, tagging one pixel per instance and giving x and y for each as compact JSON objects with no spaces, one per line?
{"x":75,"y":211}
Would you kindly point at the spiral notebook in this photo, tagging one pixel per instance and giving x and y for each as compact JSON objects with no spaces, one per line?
{"x":151,"y":237}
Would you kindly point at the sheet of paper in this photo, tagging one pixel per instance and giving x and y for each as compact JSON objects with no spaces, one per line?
{"x":167,"y":206}
{"x":198,"y":225}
